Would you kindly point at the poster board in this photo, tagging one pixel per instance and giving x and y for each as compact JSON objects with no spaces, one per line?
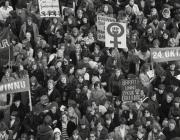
{"x":115,"y":35}
{"x":131,"y":89}
{"x":165,"y":54}
{"x":49,"y":8}
{"x":101,"y":20}
{"x":20,"y":85}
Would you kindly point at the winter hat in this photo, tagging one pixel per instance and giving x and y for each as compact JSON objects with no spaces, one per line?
{"x":57,"y":130}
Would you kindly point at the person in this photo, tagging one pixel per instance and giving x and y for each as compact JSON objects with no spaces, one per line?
{"x":5,"y":11}
{"x":44,"y":130}
{"x":30,"y":27}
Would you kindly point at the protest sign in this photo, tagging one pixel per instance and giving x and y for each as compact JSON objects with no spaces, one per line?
{"x":49,"y":8}
{"x":6,"y":52}
{"x":19,"y":85}
{"x":101,"y":26}
{"x":165,"y":54}
{"x":131,"y":89}
{"x":115,"y":35}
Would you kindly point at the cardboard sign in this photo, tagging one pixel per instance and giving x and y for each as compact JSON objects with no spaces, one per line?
{"x":165,"y":54}
{"x":131,"y":89}
{"x":19,"y":85}
{"x":49,"y":8}
{"x":101,"y":26}
{"x":115,"y":35}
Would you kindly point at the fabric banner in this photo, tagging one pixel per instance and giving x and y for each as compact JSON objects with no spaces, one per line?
{"x":5,"y":46}
{"x":49,"y":8}
{"x":115,"y":35}
{"x":19,"y":85}
{"x":131,"y":89}
{"x":165,"y":54}
{"x":101,"y":26}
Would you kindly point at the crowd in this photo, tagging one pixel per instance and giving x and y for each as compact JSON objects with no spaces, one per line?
{"x":75,"y":80}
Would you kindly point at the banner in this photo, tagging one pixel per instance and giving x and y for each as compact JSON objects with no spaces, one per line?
{"x":5,"y":49}
{"x":19,"y":85}
{"x":49,"y":8}
{"x":115,"y":35}
{"x":131,"y":89}
{"x":101,"y":26}
{"x":165,"y":54}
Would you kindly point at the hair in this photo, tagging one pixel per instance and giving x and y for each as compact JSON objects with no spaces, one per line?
{"x":170,"y":95}
{"x":47,"y":120}
{"x":156,"y":125}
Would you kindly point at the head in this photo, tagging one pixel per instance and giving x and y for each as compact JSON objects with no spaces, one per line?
{"x":92,"y":135}
{"x":165,"y":35}
{"x":75,"y":32}
{"x":169,"y":97}
{"x":161,"y":88}
{"x":106,"y":8}
{"x":177,"y":102}
{"x":118,"y":72}
{"x":153,"y":96}
{"x":29,"y":21}
{"x":75,"y":134}
{"x":64,"y":117}
{"x":79,"y":14}
{"x":156,"y":128}
{"x":44,"y":100}
{"x":63,"y":79}
{"x":60,"y":53}
{"x":39,"y":54}
{"x":28,"y":35}
{"x":57,"y":134}
{"x":172,"y":124}
{"x":6,"y":3}
{"x":78,"y":48}
{"x":97,"y":85}
{"x":144,"y":21}
{"x":153,"y":12}
{"x":55,"y":20}
{"x":147,"y":113}
{"x":131,"y":2}
{"x":172,"y":66}
{"x":7,"y":73}
{"x":50,"y":84}
{"x":47,"y":120}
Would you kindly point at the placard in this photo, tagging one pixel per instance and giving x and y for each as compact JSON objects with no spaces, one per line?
{"x":131,"y":89}
{"x":115,"y":35}
{"x":19,"y":85}
{"x":165,"y":54}
{"x":101,"y":26}
{"x":49,"y":8}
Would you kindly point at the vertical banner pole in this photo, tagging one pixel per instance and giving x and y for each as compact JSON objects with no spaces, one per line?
{"x":30,"y":101}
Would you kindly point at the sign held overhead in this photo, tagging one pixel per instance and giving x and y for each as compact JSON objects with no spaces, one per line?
{"x":115,"y":35}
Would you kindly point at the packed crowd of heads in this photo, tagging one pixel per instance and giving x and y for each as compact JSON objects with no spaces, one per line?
{"x":76,"y":81}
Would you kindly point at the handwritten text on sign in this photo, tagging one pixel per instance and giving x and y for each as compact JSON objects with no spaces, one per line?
{"x":101,"y":26}
{"x":49,"y":8}
{"x":165,"y":54}
{"x":130,"y":89}
{"x":20,"y":85}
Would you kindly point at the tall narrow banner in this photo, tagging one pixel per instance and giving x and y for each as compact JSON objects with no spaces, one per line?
{"x":5,"y":52}
{"x":19,"y":85}
{"x":131,"y":89}
{"x":115,"y":35}
{"x":165,"y":54}
{"x":49,"y":8}
{"x":101,"y":26}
